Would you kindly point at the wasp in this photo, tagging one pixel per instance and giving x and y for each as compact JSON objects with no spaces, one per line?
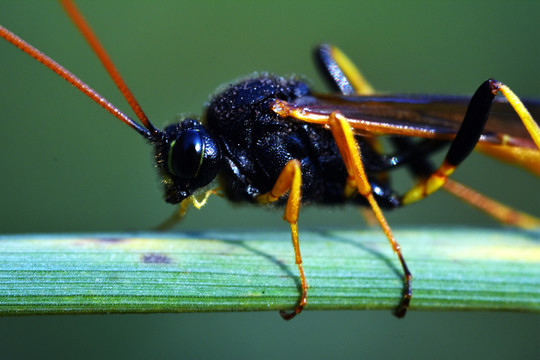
{"x":272,"y":140}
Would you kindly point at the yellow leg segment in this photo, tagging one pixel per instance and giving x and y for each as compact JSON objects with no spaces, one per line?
{"x":429,"y":185}
{"x":360,"y":85}
{"x":290,"y":180}
{"x":528,"y":121}
{"x":350,"y":152}
{"x":179,"y":213}
{"x":495,"y":209}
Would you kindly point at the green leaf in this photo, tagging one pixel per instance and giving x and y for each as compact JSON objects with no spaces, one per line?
{"x":472,"y":269}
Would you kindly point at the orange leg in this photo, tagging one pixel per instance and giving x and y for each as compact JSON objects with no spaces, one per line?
{"x":495,"y":209}
{"x":350,"y":152}
{"x":333,"y":58}
{"x":290,"y":180}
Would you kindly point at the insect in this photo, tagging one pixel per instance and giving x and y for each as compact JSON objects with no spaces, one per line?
{"x":270,"y":139}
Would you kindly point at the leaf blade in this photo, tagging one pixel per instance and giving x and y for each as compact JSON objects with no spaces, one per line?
{"x":463,"y":269}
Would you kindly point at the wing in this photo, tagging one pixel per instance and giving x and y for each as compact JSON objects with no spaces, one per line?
{"x":426,"y":116}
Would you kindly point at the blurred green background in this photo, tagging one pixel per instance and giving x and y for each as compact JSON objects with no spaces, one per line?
{"x":68,"y":166}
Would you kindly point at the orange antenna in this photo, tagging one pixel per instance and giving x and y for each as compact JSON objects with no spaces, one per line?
{"x":72,"y":79}
{"x":85,"y":29}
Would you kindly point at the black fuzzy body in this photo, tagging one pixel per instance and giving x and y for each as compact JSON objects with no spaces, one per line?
{"x":256,"y":144}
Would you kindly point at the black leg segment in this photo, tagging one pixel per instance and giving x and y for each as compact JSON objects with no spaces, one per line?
{"x":473,"y":124}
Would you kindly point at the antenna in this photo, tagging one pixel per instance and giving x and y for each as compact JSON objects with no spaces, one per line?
{"x":147,"y":131}
{"x":85,"y":29}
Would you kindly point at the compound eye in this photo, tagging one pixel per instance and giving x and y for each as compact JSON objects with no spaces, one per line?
{"x":186,"y":154}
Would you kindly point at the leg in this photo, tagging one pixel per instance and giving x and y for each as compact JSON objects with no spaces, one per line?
{"x":421,"y":168}
{"x":350,"y":152}
{"x":345,"y":77}
{"x":495,"y":209}
{"x":290,"y":180}
{"x":531,"y":126}
{"x":468,"y":135}
{"x":341,"y":72}
{"x":179,"y":214}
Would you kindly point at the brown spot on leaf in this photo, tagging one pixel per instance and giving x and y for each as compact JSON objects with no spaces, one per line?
{"x":156,"y":258}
